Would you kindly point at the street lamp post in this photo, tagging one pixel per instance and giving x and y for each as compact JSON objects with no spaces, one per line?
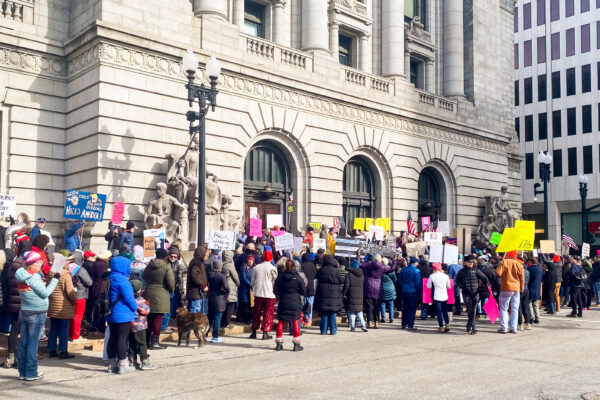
{"x":207,"y":98}
{"x":583,"y":190}
{"x":544,"y":160}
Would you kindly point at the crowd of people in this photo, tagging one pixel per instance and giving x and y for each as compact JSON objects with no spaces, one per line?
{"x":130,"y":299}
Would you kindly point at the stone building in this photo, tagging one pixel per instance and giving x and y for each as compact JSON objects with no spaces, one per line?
{"x":358,"y":107}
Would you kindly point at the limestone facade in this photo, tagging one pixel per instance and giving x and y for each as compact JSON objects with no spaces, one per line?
{"x":92,"y":97}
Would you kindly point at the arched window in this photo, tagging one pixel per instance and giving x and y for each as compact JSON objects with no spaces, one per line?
{"x":359,"y":191}
{"x":429,"y":195}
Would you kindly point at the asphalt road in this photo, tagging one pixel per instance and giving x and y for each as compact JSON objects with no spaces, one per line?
{"x":558,"y":359}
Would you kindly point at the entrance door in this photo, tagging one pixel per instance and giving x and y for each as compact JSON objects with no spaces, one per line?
{"x":263,"y":209}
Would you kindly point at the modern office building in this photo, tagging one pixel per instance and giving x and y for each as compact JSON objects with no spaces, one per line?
{"x":557,"y":65}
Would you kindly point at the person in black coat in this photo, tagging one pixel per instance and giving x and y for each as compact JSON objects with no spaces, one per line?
{"x":471,"y":281}
{"x":289,"y":287}
{"x":353,"y":295}
{"x":425,"y":270}
{"x":535,"y":282}
{"x":218,"y":290}
{"x":310,"y":271}
{"x":328,"y":296}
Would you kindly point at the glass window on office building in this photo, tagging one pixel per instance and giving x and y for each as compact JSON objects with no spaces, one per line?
{"x":586,"y":118}
{"x":529,"y":166}
{"x":554,"y":10}
{"x":516,"y":93}
{"x":556,"y":124}
{"x":556,"y":85}
{"x":572,"y":160}
{"x":569,"y":8}
{"x":541,"y":50}
{"x":518,"y":128}
{"x":515,"y":19}
{"x":571,"y":121}
{"x":516,"y":56}
{"x":541,"y":12}
{"x":542,"y":126}
{"x":557,"y":162}
{"x":527,"y":53}
{"x":528,"y":90}
{"x":585,"y":38}
{"x":588,"y":160}
{"x":542,"y":87}
{"x":527,"y":16}
{"x":529,"y":128}
{"x":555,"y":45}
{"x":585,"y":5}
{"x":586,"y":78}
{"x":570,"y":42}
{"x":571,"y":85}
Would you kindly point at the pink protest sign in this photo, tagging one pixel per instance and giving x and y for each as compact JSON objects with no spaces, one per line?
{"x":255,"y":227}
{"x":426,"y":292}
{"x":277,"y":233}
{"x":425,"y":222}
{"x":118,"y":210}
{"x":451,"y":299}
{"x":491,"y":307}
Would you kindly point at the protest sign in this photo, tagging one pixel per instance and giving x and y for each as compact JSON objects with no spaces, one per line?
{"x":547,"y":246}
{"x":58,"y":264}
{"x":515,"y":239}
{"x":530,"y":226}
{"x":495,"y":238}
{"x":433,"y":237}
{"x":444,"y":227}
{"x":450,"y":255}
{"x":384,"y":223}
{"x":346,"y":247}
{"x":436,"y":253}
{"x":319,"y":244}
{"x":158,"y":236}
{"x":391,"y":240}
{"x":463,"y":239}
{"x":425,"y":222}
{"x":84,"y":206}
{"x":369,"y":222}
{"x":298,"y":243}
{"x":118,"y":210}
{"x":277,"y":233}
{"x":274,"y":220}
{"x":149,"y":246}
{"x":316,"y":226}
{"x":359,"y":224}
{"x":254,"y":213}
{"x":377,"y":231}
{"x":491,"y":307}
{"x":451,"y":299}
{"x":284,"y":242}
{"x":585,"y":250}
{"x":535,"y":253}
{"x":255,"y":227}
{"x":8,"y":205}
{"x":370,"y":248}
{"x":221,"y":240}
{"x":443,"y":254}
{"x":426,"y":292}
{"x":416,"y":249}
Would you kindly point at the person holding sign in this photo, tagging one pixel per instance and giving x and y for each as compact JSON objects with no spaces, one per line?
{"x":440,"y":283}
{"x":263,"y":278}
{"x":512,"y":283}
{"x":73,"y":239}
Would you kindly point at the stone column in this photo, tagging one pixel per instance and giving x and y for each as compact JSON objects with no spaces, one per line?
{"x":279,"y":22}
{"x":364,"y":61}
{"x":334,"y":40}
{"x":392,"y":38}
{"x":454,"y":64}
{"x":315,"y":35}
{"x":429,"y":75}
{"x":217,"y":8}
{"x":407,"y":65}
{"x":239,"y":14}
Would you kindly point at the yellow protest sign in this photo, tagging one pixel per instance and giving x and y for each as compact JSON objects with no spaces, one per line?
{"x":515,"y":239}
{"x":316,"y":226}
{"x":359,"y":223}
{"x":530,"y":226}
{"x":369,"y":222}
{"x":383,"y":222}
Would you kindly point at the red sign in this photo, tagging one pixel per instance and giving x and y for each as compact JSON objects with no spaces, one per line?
{"x":594,"y":227}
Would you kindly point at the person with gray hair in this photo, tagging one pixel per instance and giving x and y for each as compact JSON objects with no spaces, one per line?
{"x":218,"y":290}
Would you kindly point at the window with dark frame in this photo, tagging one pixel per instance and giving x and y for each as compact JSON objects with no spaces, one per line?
{"x":518,"y":128}
{"x":529,"y":128}
{"x":528,"y":90}
{"x":556,"y":124}
{"x":569,"y":8}
{"x":556,"y":85}
{"x":571,"y":85}
{"x":516,"y":93}
{"x":541,"y":49}
{"x":555,"y":46}
{"x":527,"y":53}
{"x":571,"y":121}
{"x":541,"y":12}
{"x":516,"y":56}
{"x":345,"y":50}
{"x":526,"y":16}
{"x":554,"y":10}
{"x":572,"y":160}
{"x":254,"y":19}
{"x":416,"y":8}
{"x":586,"y":78}
{"x":542,"y":126}
{"x":516,"y":19}
{"x":529,"y":166}
{"x":585,"y":38}
{"x":570,"y":42}
{"x":586,"y":118}
{"x":588,"y":160}
{"x":542,"y":88}
{"x":557,"y":162}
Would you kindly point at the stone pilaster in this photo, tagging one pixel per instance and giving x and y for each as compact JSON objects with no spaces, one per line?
{"x":334,"y":40}
{"x":454,"y":65}
{"x":392,"y":38}
{"x":239,"y":14}
{"x":407,"y":64}
{"x":429,"y":76}
{"x":364,"y":53}
{"x":315,"y":35}
{"x":279,"y":22}
{"x":217,"y":8}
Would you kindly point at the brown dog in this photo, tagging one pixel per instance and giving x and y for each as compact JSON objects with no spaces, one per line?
{"x":187,"y":321}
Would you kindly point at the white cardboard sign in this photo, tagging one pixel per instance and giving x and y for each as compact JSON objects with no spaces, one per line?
{"x":221,"y":240}
{"x":8,"y":205}
{"x":284,"y":242}
{"x":274,"y":219}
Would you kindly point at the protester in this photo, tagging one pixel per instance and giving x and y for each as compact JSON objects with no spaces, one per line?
{"x":233,"y":281}
{"x":40,"y":225}
{"x":179,"y":273}
{"x":81,"y":282}
{"x":577,"y":277}
{"x":197,"y":282}
{"x":453,"y":270}
{"x":244,"y":313}
{"x":353,"y":295}
{"x":595,"y":278}
{"x":524,"y":310}
{"x":113,"y":239}
{"x":218,"y":290}
{"x":160,"y":283}
{"x":535,"y":282}
{"x":470,"y":280}
{"x":510,"y":271}
{"x":60,"y":312}
{"x":13,"y":301}
{"x":410,"y":282}
{"x":73,"y":239}
{"x":137,"y":336}
{"x":289,"y":287}
{"x":263,"y":278}
{"x":439,"y":282}
{"x":374,"y":270}
{"x":126,"y":238}
{"x":34,"y":306}
{"x":388,"y":293}
{"x":328,"y":296}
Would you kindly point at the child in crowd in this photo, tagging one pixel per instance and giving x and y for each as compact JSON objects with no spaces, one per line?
{"x":137,"y":336}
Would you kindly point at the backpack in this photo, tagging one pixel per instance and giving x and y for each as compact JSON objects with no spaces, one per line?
{"x":580,"y":275}
{"x":103,"y":303}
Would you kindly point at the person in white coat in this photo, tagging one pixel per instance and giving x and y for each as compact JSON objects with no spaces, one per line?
{"x":263,"y":277}
{"x":440,"y":283}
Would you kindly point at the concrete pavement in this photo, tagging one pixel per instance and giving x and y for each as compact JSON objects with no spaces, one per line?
{"x":558,"y":359}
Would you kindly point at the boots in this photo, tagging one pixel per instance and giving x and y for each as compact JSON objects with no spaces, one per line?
{"x":279,"y":346}
{"x":124,"y":367}
{"x":298,"y":347}
{"x":146,"y":366}
{"x":112,"y":366}
{"x":154,"y":344}
{"x":447,"y":328}
{"x":266,"y":336}
{"x":253,"y":335}
{"x":65,"y":355}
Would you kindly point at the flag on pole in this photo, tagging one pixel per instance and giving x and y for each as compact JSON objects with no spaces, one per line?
{"x":410,"y":224}
{"x":570,"y":241}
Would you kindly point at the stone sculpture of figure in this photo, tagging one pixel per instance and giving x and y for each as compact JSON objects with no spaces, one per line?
{"x":182,"y":178}
{"x":214,"y":201}
{"x":161,"y":211}
{"x":501,"y":210}
{"x":487,"y":228}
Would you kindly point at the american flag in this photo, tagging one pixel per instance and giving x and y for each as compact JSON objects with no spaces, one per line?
{"x":412,"y":229}
{"x":570,"y":241}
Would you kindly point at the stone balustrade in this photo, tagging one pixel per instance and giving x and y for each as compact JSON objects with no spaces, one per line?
{"x":271,"y":51}
{"x":17,"y":10}
{"x":437,"y":101}
{"x":362,"y":79}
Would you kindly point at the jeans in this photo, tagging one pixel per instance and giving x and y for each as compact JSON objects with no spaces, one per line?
{"x":471,"y":301}
{"x":214,"y":319}
{"x":167,"y":316}
{"x":597,"y":287}
{"x":441,"y":311}
{"x":409,"y":308}
{"x":31,"y":326}
{"x":199,"y":305}
{"x":175,"y":303}
{"x":310,"y":300}
{"x":535,"y":305}
{"x":389,"y":304}
{"x":352,"y":317}
{"x":507,"y":299}
{"x":59,"y":329}
{"x":328,"y":321}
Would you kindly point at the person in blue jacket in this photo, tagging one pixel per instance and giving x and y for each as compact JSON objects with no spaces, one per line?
{"x":123,"y":308}
{"x":73,"y":239}
{"x":410,"y":282}
{"x":535,"y":283}
{"x":127,"y":241}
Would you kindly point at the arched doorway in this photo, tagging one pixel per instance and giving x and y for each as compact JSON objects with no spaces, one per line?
{"x":359,"y":195}
{"x":267,"y":182}
{"x":431,"y":193}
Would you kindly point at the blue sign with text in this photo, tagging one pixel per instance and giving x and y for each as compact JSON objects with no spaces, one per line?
{"x":84,"y":206}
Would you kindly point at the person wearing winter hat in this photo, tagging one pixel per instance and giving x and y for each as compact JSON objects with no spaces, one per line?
{"x":470,"y":280}
{"x":126,"y":239}
{"x":179,"y":273}
{"x":410,"y":283}
{"x":440,"y":283}
{"x":34,"y":305}
{"x":289,"y":287}
{"x":512,"y":282}
{"x":353,"y":295}
{"x":39,"y":225}
{"x":160,"y":283}
{"x":263,"y":278}
{"x":218,"y":290}
{"x":328,"y":296}
{"x":137,"y":336}
{"x":61,"y":311}
{"x":82,"y":282}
